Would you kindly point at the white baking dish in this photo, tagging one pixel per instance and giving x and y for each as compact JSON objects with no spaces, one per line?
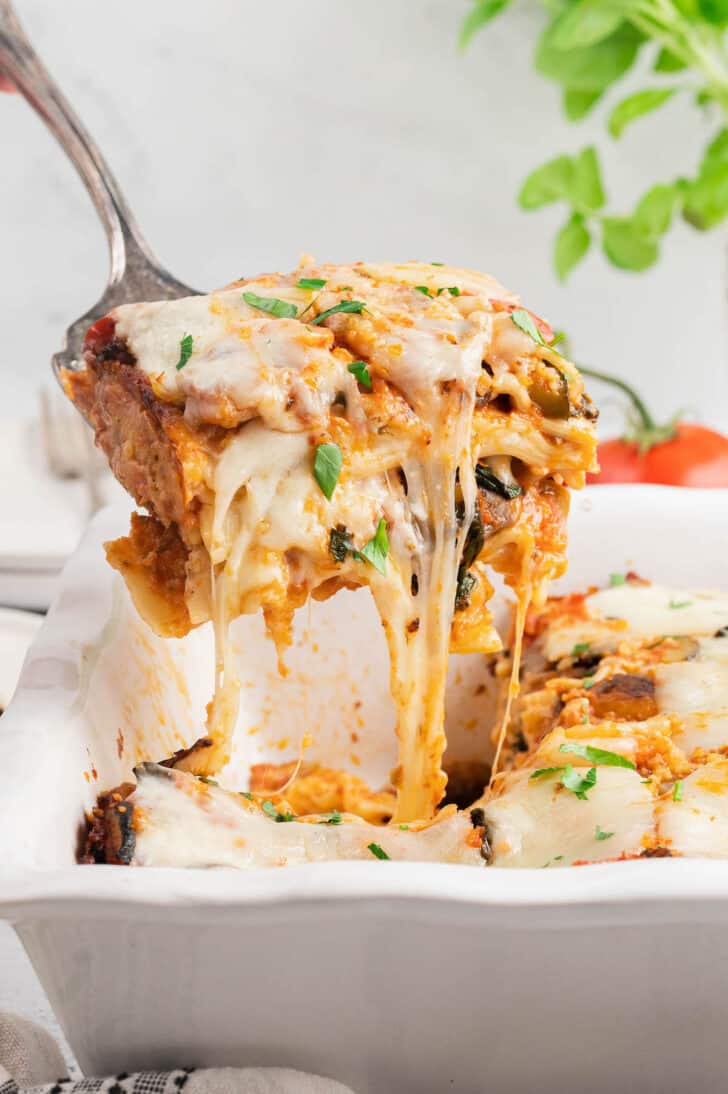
{"x":390,"y":977}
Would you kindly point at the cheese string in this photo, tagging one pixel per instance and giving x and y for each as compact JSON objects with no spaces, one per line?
{"x":523,"y":602}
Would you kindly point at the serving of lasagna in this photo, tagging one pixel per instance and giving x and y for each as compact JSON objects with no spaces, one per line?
{"x":407,"y":427}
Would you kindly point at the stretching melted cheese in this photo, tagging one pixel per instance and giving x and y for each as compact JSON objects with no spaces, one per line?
{"x":459,"y":432}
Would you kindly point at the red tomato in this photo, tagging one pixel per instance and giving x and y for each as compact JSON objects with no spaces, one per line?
{"x":99,"y":334}
{"x":693,"y":456}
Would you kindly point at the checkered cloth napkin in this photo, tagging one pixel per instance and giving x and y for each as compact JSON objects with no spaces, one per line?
{"x":31,"y":1063}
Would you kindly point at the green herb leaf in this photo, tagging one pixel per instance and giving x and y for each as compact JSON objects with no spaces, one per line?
{"x":577,"y":104}
{"x":585,"y":23}
{"x":635,"y":106}
{"x":340,"y":544}
{"x":668,"y":62}
{"x":355,"y":307}
{"x":571,"y":245}
{"x":360,"y":370}
{"x":600,"y":835}
{"x":327,"y":467}
{"x":486,"y":480}
{"x":592,"y":67}
{"x":271,"y":305}
{"x":281,"y":818}
{"x":480,"y":14}
{"x":404,"y":828}
{"x":680,"y":604}
{"x":334,"y":817}
{"x":587,"y":682}
{"x":551,"y":182}
{"x":587,"y":192}
{"x":626,"y":245}
{"x":208,"y":780}
{"x":377,"y":549}
{"x":423,"y":289}
{"x":543,"y":771}
{"x":246,"y":794}
{"x":437,"y":263}
{"x":579,"y":784}
{"x":706,"y":198}
{"x":677,"y":791}
{"x":377,"y":851}
{"x":714,"y":11}
{"x":185,"y":351}
{"x":579,"y":648}
{"x":617,"y":579}
{"x":465,"y":584}
{"x":525,"y":323}
{"x":599,"y":756}
{"x":653,"y":214}
{"x":453,"y":290}
{"x":311,"y":283}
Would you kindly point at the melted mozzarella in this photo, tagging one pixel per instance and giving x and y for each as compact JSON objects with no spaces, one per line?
{"x":653,"y":610}
{"x":697,"y":825}
{"x":180,"y":821}
{"x":538,"y":822}
{"x":697,"y":691}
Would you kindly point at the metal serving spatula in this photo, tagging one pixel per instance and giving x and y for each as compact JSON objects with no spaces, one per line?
{"x":135,"y":273}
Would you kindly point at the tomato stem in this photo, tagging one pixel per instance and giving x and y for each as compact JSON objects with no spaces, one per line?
{"x":646,"y":419}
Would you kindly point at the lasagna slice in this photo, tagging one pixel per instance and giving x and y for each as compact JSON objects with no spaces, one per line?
{"x":408,"y":427}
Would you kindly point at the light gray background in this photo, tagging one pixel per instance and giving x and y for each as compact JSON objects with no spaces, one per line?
{"x":246,"y":132}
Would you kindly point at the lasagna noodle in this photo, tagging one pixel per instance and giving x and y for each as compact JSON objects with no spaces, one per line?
{"x":462,"y":442}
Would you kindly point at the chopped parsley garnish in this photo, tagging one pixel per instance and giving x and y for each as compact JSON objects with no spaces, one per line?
{"x":680,"y":603}
{"x":376,"y":550}
{"x":246,"y":794}
{"x":600,"y":834}
{"x":588,"y":682}
{"x":617,"y":579}
{"x":404,"y":827}
{"x":453,"y":290}
{"x":486,"y":480}
{"x":570,"y":778}
{"x":311,"y":283}
{"x":437,"y":263}
{"x":340,"y":544}
{"x":579,"y":648}
{"x":208,"y":780}
{"x":525,"y":322}
{"x":349,"y":306}
{"x":270,"y":810}
{"x":327,"y":467}
{"x":334,"y":817}
{"x":677,"y":791}
{"x":360,"y":370}
{"x":423,"y":289}
{"x":599,"y":756}
{"x":271,"y":305}
{"x":185,"y":351}
{"x":377,"y":851}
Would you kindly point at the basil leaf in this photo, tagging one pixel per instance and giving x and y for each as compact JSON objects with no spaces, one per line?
{"x":626,"y":246}
{"x":600,"y":835}
{"x":482,"y":12}
{"x":453,"y":290}
{"x":551,"y":182}
{"x":570,"y":246}
{"x":377,"y":851}
{"x":706,"y":198}
{"x":525,"y":323}
{"x":584,"y":23}
{"x":271,"y":305}
{"x":376,"y":550}
{"x":714,"y":11}
{"x":486,"y":480}
{"x":577,"y":104}
{"x":653,"y":214}
{"x":348,"y":306}
{"x":542,"y":771}
{"x":677,"y":791}
{"x":185,"y":351}
{"x":423,"y":289}
{"x":589,"y":68}
{"x":360,"y":370}
{"x":579,"y":784}
{"x":635,"y":106}
{"x":587,"y":192}
{"x":327,"y":467}
{"x":597,"y":755}
{"x":668,"y":62}
{"x":311,"y":283}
